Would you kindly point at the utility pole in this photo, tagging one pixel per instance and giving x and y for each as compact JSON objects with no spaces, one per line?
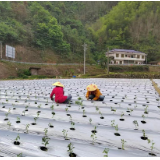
{"x":85,"y":48}
{"x":108,"y":61}
{"x":1,"y":49}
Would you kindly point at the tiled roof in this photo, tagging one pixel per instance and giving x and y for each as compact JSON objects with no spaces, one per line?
{"x":125,"y":50}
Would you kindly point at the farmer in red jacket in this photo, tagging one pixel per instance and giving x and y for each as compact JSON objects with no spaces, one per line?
{"x":59,"y":94}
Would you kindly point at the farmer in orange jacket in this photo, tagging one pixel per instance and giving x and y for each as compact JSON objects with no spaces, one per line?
{"x":94,"y":93}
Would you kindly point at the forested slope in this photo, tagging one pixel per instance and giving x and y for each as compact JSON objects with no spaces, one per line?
{"x":62,"y":27}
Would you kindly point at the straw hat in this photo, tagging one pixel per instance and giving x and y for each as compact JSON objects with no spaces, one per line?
{"x":59,"y":84}
{"x":91,"y":87}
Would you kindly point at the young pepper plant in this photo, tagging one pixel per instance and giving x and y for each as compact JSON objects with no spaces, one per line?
{"x":106,"y":150}
{"x":123,"y":142}
{"x":70,"y":148}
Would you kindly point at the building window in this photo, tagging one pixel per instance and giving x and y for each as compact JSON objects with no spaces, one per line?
{"x":122,"y":55}
{"x":117,"y":55}
{"x":142,"y":57}
{"x":138,"y":56}
{"x":125,"y":55}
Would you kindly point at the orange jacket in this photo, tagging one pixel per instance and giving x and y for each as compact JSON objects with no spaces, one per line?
{"x":97,"y":93}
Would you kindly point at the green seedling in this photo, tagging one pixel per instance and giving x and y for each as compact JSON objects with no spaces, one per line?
{"x":9,"y":123}
{"x":6,"y":100}
{"x":114,"y":110}
{"x":35,"y":119}
{"x":19,"y":155}
{"x":146,"y":110}
{"x":39,"y":106}
{"x":100,"y":114}
{"x":17,"y":138}
{"x":45,"y":141}
{"x":45,"y":131}
{"x":83,"y":112}
{"x":66,"y":109}
{"x":112,"y":123}
{"x":65,"y":134}
{"x":152,"y":147}
{"x":70,"y":148}
{"x":122,"y":115}
{"x":97,"y":109}
{"x":95,"y":128}
{"x":24,"y":113}
{"x":72,"y":124}
{"x":18,"y":119}
{"x":136,"y":124}
{"x":116,"y":128}
{"x":135,"y":106}
{"x":143,"y":117}
{"x":52,"y":107}
{"x":123,"y":141}
{"x":6,"y":114}
{"x":9,"y":110}
{"x":90,"y":120}
{"x":79,"y":98}
{"x":70,"y":117}
{"x":93,"y":136}
{"x":50,"y":124}
{"x":26,"y":107}
{"x":144,"y":134}
{"x":106,"y":150}
{"x":27,"y":126}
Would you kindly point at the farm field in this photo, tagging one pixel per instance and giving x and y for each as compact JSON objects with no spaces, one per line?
{"x":125,"y":124}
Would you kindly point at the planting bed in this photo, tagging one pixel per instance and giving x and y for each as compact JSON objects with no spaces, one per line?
{"x":27,"y":116}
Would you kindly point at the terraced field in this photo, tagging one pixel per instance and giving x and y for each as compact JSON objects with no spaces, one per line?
{"x":125,"y":124}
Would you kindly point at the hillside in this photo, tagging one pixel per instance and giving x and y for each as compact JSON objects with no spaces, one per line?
{"x":53,"y":31}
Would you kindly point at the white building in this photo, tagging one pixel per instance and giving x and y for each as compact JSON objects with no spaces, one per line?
{"x":124,"y":56}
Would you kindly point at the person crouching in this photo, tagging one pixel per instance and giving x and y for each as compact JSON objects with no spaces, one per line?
{"x":94,"y":93}
{"x":59,"y":94}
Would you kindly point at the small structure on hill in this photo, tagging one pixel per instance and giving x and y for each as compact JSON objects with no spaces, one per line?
{"x":34,"y":70}
{"x":124,"y":56}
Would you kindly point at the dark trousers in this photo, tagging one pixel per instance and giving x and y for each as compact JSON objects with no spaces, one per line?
{"x":101,"y":98}
{"x":69,"y":97}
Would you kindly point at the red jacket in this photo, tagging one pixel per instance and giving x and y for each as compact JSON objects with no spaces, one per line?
{"x":59,"y":94}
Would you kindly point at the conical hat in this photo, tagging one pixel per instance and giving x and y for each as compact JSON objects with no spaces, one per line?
{"x":91,"y":87}
{"x":59,"y":84}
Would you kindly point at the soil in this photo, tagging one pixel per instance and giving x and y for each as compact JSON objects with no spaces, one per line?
{"x":72,"y":129}
{"x":152,"y":154}
{"x":122,"y":119}
{"x":94,"y":131}
{"x":68,"y":114}
{"x":33,"y":123}
{"x":18,"y":121}
{"x":72,"y":155}
{"x":145,"y":112}
{"x":101,"y":117}
{"x":84,"y":116}
{"x":51,"y":126}
{"x":144,"y":138}
{"x":6,"y":119}
{"x":43,"y":148}
{"x":117,"y":134}
{"x":16,"y":143}
{"x":143,"y":122}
